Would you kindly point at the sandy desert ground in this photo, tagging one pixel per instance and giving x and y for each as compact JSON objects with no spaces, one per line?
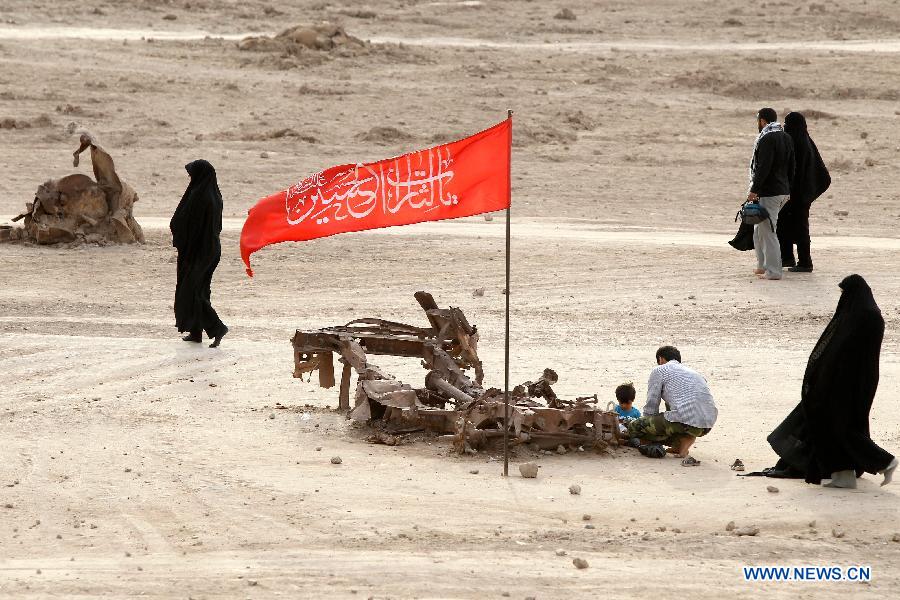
{"x":134,"y":466}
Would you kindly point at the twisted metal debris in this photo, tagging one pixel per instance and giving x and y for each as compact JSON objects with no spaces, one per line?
{"x":452,"y":401}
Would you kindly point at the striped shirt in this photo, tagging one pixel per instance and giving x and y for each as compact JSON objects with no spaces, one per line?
{"x":685,"y":393}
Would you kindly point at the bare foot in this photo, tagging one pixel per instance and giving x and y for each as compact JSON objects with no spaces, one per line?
{"x":218,"y":339}
{"x":759,"y":271}
{"x":684,"y":445}
{"x":889,"y":472}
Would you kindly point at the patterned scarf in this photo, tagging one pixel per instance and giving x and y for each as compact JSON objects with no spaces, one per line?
{"x":766,"y":130}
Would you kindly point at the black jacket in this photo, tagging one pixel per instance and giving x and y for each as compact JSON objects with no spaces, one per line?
{"x":774,"y":165}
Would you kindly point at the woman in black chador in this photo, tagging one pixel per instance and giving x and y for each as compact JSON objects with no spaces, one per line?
{"x":810,"y":181}
{"x":196,"y":226}
{"x":827,"y":435}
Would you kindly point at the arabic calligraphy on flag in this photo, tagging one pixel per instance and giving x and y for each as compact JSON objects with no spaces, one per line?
{"x":460,"y":179}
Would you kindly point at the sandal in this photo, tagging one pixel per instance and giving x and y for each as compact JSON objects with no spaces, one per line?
{"x":690,"y":461}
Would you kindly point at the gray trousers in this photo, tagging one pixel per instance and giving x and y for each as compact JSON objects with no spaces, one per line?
{"x":765,"y":242}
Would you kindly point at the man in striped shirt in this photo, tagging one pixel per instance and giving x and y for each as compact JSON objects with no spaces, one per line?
{"x":690,"y":410}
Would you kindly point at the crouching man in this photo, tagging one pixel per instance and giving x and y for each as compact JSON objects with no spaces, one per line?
{"x":690,"y":410}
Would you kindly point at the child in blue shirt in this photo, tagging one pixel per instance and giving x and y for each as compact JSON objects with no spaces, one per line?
{"x":625,"y":394}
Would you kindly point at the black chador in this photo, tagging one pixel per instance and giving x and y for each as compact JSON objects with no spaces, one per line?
{"x":196,"y":226}
{"x":827,"y":435}
{"x":811,"y":180}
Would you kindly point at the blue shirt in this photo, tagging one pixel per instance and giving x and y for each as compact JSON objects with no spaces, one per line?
{"x":627,"y":414}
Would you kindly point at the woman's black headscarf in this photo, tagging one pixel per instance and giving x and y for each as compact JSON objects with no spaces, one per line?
{"x":199,"y":214}
{"x":811,"y":177}
{"x":196,"y":226}
{"x":829,"y":430}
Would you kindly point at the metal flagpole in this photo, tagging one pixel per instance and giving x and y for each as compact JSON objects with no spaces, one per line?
{"x":509,"y":115}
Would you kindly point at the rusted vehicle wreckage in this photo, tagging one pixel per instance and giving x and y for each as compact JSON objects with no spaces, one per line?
{"x":452,"y":401}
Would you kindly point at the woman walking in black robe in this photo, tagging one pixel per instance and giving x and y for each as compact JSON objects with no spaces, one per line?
{"x":827,"y":435}
{"x":196,"y":226}
{"x":810,"y":181}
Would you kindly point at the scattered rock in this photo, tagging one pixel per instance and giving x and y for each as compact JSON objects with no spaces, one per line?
{"x":336,"y":460}
{"x":812,"y":524}
{"x":589,"y":526}
{"x":561,"y":552}
{"x":252,"y":582}
{"x":478,"y":293}
{"x":473,"y":472}
{"x":580,"y":563}
{"x":772,"y":489}
{"x":585,"y":517}
{"x":7,"y":505}
{"x":295,"y":40}
{"x":318,"y":448}
{"x":750,"y":530}
{"x":380,"y":437}
{"x":528,"y":470}
{"x":565,"y":14}
{"x":895,"y":537}
{"x":841,"y":213}
{"x":663,"y":528}
{"x":730,"y":526}
{"x":272,"y":416}
{"x":838,"y":533}
{"x":561,"y":449}
{"x":128,"y":469}
{"x":575,"y":489}
{"x":264,"y":155}
{"x":169,"y":17}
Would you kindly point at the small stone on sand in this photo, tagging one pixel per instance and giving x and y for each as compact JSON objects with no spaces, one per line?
{"x":750,"y":530}
{"x":473,"y":472}
{"x":772,"y":489}
{"x":896,"y":537}
{"x":528,"y":470}
{"x":561,"y":552}
{"x":580,"y":563}
{"x":336,"y":460}
{"x":589,"y":526}
{"x":730,"y":526}
{"x":561,"y":449}
{"x":575,"y":489}
{"x":585,"y":517}
{"x":838,"y":533}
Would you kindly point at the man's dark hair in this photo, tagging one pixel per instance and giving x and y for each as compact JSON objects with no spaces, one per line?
{"x":669,"y":353}
{"x":625,"y":392}
{"x":767,"y":114}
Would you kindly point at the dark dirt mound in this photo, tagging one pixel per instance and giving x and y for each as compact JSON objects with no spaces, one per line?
{"x":384,"y":135}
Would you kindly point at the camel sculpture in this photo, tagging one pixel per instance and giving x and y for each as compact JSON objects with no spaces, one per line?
{"x":77,"y":207}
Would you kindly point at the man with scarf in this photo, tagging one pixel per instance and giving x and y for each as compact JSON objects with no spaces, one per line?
{"x":811,"y":179}
{"x":771,"y":172}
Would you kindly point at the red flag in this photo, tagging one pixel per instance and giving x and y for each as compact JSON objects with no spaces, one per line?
{"x":459,"y":179}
